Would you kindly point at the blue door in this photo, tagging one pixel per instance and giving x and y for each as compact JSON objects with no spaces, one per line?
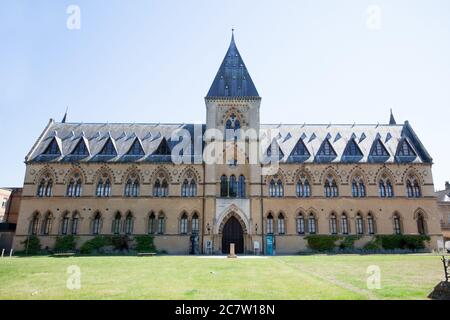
{"x":269,"y":245}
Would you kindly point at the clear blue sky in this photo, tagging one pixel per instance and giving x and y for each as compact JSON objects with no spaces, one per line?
{"x":312,"y":61}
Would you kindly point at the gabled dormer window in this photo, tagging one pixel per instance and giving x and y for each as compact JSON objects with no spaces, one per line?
{"x":405,"y":150}
{"x":163,"y":149}
{"x":378,"y":149}
{"x":108,"y":149}
{"x":275,"y":149}
{"x":136,"y":149}
{"x":80,"y":149}
{"x":352,"y":153}
{"x":326,"y":152}
{"x":300,"y":153}
{"x":52,"y":148}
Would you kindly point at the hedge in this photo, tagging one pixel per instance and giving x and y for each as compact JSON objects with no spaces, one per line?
{"x":32,"y":245}
{"x":95,"y":244}
{"x":65,"y":243}
{"x":145,"y":244}
{"x":322,"y":242}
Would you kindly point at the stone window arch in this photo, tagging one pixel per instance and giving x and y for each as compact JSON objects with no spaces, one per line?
{"x":413,"y":189}
{"x":330,"y":187}
{"x":74,"y":185}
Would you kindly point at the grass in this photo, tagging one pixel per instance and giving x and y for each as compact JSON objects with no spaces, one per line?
{"x":177,"y":277}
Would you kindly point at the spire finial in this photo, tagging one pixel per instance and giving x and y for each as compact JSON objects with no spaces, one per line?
{"x":392,"y":119}
{"x":65,"y":116}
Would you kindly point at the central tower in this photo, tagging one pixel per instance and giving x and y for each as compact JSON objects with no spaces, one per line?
{"x":233,"y":103}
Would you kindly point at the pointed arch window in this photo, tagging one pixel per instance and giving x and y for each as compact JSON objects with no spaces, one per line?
{"x":370,"y":224}
{"x":344,"y":224}
{"x":132,"y":186}
{"x":47,"y":225}
{"x":34,"y":224}
{"x":151,"y":223}
{"x":300,"y":224}
{"x":413,"y":188}
{"x":330,"y":187}
{"x":421,"y":224}
{"x":116,"y":223}
{"x":269,"y":224}
{"x":333,"y":224}
{"x":65,"y":224}
{"x":103,"y":186}
{"x":233,"y":186}
{"x":397,"y":224}
{"x":276,"y":189}
{"x":312,"y":229}
{"x":129,"y":224}
{"x":45,"y":187}
{"x":74,"y":226}
{"x":303,"y":188}
{"x":224,"y":186}
{"x":281,"y":224}
{"x":75,"y":186}
{"x":359,"y":224}
{"x":358,"y":187}
{"x":161,"y":223}
{"x":96,"y":223}
{"x":195,"y":224}
{"x":184,"y":223}
{"x":241,"y":186}
{"x":160,"y":188}
{"x":385,"y":188}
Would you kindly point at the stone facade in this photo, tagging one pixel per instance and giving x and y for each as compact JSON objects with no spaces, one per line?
{"x":370,"y":179}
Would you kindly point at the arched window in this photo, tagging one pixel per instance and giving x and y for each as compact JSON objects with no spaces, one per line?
{"x":359,"y":224}
{"x":397,"y":224}
{"x":272,"y":188}
{"x":344,"y":224}
{"x":47,"y":225}
{"x":195,"y":223}
{"x":233,"y":124}
{"x":132,"y":186}
{"x":116,"y":223}
{"x":151,"y":223}
{"x":129,"y":223}
{"x":45,"y":186}
{"x":333,"y":224}
{"x":421,"y":224}
{"x":74,"y":186}
{"x":279,"y":189}
{"x":103,"y":186}
{"x":330,"y":187}
{"x":96,"y":223}
{"x":75,"y":219}
{"x":269,"y":225}
{"x":281,"y":224}
{"x":184,"y":223}
{"x":413,"y":188}
{"x":161,"y":223}
{"x":189,"y":189}
{"x":233,"y":187}
{"x":185,"y":188}
{"x":358,"y":187}
{"x":312,"y":224}
{"x":34,"y":224}
{"x":370,"y":224}
{"x":300,"y":224}
{"x":241,"y":187}
{"x":161,"y":188}
{"x":193,"y":188}
{"x":65,"y":223}
{"x":303,"y":188}
{"x":385,"y":189}
{"x":276,"y":189}
{"x":224,"y":186}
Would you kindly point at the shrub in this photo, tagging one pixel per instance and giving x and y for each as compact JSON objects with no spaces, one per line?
{"x":398,"y":241}
{"x":32,"y":245}
{"x":95,"y":244}
{"x":65,"y":243}
{"x":348,"y":242}
{"x":120,"y":242}
{"x":145,"y":244}
{"x":322,"y":242}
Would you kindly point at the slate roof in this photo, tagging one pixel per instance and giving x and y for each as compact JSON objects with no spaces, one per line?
{"x":150,"y":136}
{"x":233,"y":79}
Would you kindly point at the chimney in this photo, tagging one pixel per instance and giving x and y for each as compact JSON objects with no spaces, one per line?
{"x":447,"y":185}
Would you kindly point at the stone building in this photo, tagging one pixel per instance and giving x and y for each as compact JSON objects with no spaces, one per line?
{"x":443,"y":200}
{"x":9,"y":212}
{"x":122,"y":178}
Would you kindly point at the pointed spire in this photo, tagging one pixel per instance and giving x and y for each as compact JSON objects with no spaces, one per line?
{"x":392,"y":119}
{"x":65,"y":116}
{"x":232,"y":80}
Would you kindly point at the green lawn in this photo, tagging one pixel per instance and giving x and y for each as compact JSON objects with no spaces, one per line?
{"x":176,"y":277}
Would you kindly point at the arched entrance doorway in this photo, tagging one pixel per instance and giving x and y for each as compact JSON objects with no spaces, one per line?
{"x":232,"y":233}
